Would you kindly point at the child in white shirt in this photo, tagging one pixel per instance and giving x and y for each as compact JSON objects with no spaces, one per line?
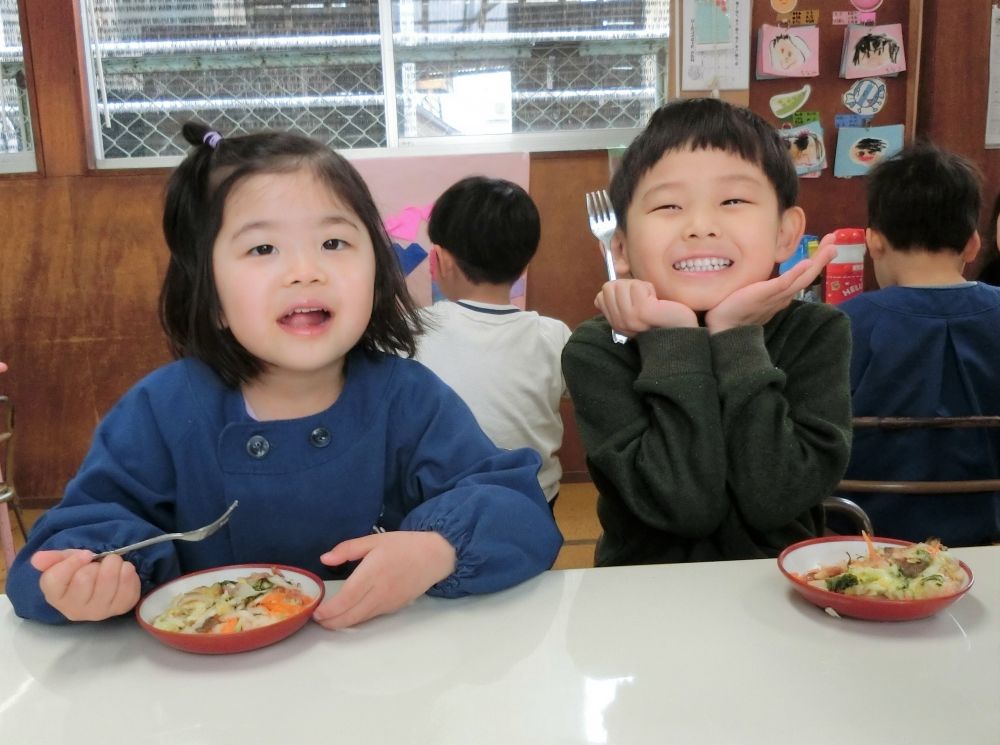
{"x":503,"y":361}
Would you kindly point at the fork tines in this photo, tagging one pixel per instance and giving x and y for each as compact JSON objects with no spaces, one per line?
{"x":599,"y":205}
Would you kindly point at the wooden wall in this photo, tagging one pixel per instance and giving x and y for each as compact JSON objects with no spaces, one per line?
{"x":81,"y":256}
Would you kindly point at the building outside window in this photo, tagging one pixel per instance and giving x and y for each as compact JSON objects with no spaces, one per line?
{"x":17,"y":149}
{"x":374,"y":77}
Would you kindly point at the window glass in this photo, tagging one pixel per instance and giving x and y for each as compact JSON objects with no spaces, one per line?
{"x":16,"y":145}
{"x":458,"y":69}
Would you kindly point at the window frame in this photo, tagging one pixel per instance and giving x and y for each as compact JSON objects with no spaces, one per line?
{"x":24,"y":162}
{"x":398,"y":146}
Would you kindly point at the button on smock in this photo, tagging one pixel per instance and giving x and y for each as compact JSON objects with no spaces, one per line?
{"x":258,"y":446}
{"x":320,"y":437}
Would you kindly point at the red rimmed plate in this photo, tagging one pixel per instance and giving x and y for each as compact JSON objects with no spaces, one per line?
{"x":159,"y":600}
{"x":801,"y":557}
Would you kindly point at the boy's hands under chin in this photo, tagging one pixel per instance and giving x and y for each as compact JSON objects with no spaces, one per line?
{"x":396,"y":568}
{"x":757,"y":303}
{"x":631,"y":307}
{"x":85,"y":590}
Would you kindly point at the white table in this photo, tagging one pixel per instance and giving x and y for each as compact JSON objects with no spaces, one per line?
{"x":698,"y":653}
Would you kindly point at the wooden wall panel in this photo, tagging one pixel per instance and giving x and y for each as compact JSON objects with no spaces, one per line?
{"x":951,"y":109}
{"x":568,"y":270}
{"x":79,"y":278}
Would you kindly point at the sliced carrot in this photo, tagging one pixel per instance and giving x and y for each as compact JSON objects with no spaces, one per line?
{"x":283,"y":602}
{"x":874,"y":556}
{"x":227,"y":627}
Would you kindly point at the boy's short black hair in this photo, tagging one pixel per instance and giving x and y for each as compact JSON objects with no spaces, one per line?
{"x":705,"y":124}
{"x":924,"y":198}
{"x":190,"y":310}
{"x":491,"y":227}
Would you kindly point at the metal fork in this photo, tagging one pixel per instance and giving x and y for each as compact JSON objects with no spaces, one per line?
{"x":198,"y":534}
{"x":602,"y":224}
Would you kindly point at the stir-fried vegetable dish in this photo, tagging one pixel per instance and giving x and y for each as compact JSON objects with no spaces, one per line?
{"x":914,"y":572}
{"x":229,"y":606}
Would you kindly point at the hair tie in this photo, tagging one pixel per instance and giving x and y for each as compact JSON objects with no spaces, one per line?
{"x":212,"y":139}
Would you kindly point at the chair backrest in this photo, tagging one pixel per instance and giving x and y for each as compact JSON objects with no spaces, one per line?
{"x":891,"y":486}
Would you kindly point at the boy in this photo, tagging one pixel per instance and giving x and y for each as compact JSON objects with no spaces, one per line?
{"x":717,"y":430}
{"x":926,"y":344}
{"x":503,"y":361}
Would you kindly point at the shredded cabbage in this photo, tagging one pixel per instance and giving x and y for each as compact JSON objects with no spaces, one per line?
{"x":915,"y":572}
{"x":229,"y":606}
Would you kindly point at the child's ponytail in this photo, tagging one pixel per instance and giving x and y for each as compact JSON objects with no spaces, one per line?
{"x":187,"y":225}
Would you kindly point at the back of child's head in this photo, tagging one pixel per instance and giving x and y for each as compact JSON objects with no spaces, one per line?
{"x":924,"y":198}
{"x":190,"y":311}
{"x":491,"y":227}
{"x":705,"y":124}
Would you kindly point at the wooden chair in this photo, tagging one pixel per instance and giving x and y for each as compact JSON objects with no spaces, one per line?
{"x":889,"y":486}
{"x":895,"y":486}
{"x":8,"y":496}
{"x":850,"y":510}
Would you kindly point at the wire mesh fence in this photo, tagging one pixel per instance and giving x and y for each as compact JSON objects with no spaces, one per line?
{"x":455,"y":68}
{"x":15,"y":115}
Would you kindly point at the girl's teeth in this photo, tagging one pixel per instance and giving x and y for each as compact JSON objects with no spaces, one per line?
{"x":702,"y":265}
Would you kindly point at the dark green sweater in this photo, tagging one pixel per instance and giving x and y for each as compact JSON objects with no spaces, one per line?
{"x":717,"y":446}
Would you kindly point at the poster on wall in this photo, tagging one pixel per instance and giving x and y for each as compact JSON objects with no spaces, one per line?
{"x":715,"y":45}
{"x":993,"y":99}
{"x":404,"y":190}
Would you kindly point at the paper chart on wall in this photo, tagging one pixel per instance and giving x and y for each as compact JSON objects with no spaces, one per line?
{"x":993,"y":102}
{"x":715,"y":45}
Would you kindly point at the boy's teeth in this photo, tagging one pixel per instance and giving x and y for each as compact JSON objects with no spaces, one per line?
{"x":712,"y":264}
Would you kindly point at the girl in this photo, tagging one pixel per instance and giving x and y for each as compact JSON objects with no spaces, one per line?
{"x":284,"y":305}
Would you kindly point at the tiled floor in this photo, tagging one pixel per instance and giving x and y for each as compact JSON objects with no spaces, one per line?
{"x":576,"y":514}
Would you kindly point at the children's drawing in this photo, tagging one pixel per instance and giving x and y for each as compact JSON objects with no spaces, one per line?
{"x":873,"y":50}
{"x":868,"y":150}
{"x":783,"y":105}
{"x":866,"y":97}
{"x":876,"y":50}
{"x":787,"y":52}
{"x":805,"y":145}
{"x":859,"y":148}
{"x":783,"y":6}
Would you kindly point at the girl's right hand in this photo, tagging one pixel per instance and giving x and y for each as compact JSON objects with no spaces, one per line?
{"x":631,"y":307}
{"x":85,"y":590}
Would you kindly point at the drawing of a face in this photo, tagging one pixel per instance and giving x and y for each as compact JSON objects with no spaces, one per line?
{"x":788,"y":51}
{"x":784,"y":6}
{"x":875,"y":50}
{"x":868,"y":150}
{"x":805,"y":147}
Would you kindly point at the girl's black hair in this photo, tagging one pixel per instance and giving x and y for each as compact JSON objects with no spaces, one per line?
{"x":705,"y":124}
{"x":190,"y":312}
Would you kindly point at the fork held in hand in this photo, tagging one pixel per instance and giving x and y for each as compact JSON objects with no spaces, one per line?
{"x":190,"y":535}
{"x":602,"y":224}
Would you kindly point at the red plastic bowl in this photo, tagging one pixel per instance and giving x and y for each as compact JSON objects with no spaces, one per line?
{"x":240,"y":641}
{"x":805,"y":555}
